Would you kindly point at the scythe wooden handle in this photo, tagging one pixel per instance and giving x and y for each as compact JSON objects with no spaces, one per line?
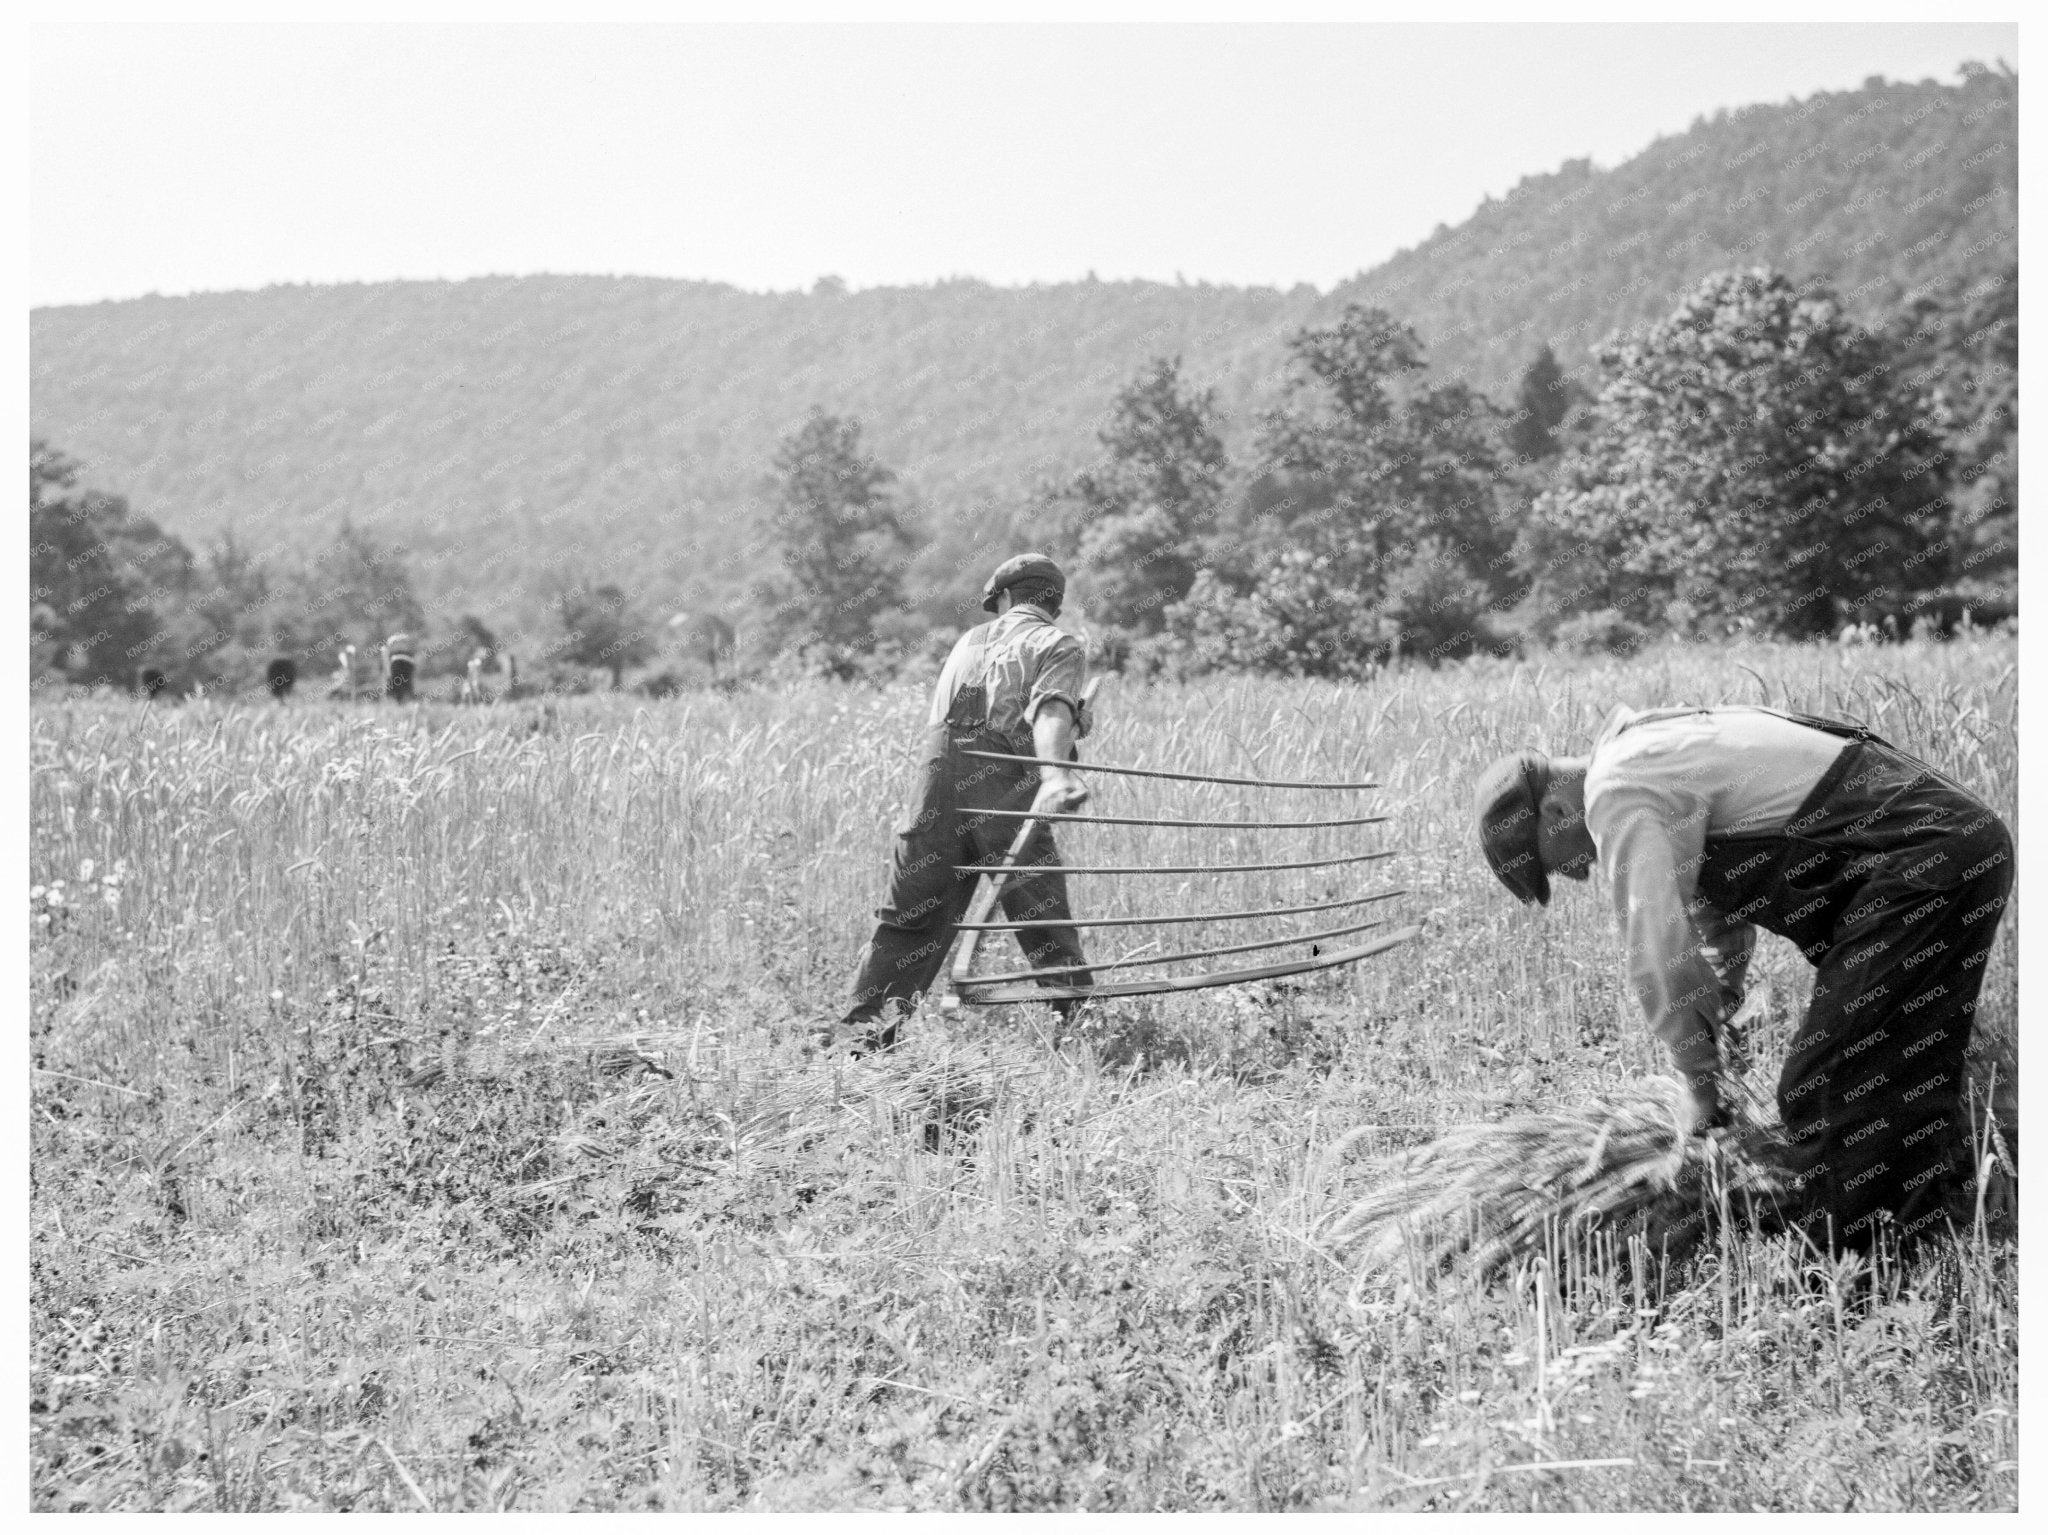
{"x":986,"y":894}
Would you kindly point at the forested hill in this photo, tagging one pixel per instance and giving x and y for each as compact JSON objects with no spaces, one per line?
{"x":1885,"y":191}
{"x":638,"y":413}
{"x":567,"y":423}
{"x":548,"y":412}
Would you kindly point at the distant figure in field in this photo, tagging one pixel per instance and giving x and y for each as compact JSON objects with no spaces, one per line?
{"x":397,"y":654}
{"x":280,"y":676}
{"x":152,"y":681}
{"x":343,"y":684}
{"x":1937,"y":615}
{"x":473,"y":677}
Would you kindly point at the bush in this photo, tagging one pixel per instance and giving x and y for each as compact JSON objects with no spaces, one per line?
{"x":1603,"y":629}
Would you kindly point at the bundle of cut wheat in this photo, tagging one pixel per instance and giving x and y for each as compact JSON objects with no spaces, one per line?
{"x":1620,"y":1169}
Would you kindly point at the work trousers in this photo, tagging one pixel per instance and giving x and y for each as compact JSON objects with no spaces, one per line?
{"x":939,"y":829}
{"x":1891,"y":879}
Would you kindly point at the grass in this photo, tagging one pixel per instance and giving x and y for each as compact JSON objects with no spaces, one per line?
{"x":422,"y":1117}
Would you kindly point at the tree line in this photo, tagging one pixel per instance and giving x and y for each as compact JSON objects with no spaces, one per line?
{"x":114,"y":598}
{"x":1755,"y":461}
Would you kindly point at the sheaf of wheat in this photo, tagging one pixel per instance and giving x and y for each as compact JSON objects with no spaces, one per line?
{"x":1620,"y":1168}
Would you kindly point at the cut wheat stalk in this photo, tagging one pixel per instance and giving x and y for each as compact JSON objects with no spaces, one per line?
{"x":1617,"y":1171}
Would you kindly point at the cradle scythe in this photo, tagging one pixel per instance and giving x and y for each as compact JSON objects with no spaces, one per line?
{"x":988,"y":991}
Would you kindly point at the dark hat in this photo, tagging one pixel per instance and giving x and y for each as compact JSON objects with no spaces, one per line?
{"x":1505,"y":805}
{"x":1021,"y":567}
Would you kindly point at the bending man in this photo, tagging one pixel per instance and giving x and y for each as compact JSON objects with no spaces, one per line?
{"x":1709,"y":823}
{"x":1013,"y":686}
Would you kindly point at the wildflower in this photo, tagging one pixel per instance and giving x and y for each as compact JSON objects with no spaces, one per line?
{"x":85,"y":868}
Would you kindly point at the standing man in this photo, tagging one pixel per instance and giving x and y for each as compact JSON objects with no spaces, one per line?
{"x":1710,"y":823}
{"x":1014,"y":686}
{"x":397,"y":655}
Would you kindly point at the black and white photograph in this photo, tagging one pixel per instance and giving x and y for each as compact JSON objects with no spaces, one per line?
{"x":1029,"y":764}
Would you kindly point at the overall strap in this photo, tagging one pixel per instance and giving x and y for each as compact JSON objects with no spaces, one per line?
{"x":1848,"y":730}
{"x":967,"y":709}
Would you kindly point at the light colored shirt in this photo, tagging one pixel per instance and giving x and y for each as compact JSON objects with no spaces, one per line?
{"x":1659,"y":783}
{"x":1024,"y":663}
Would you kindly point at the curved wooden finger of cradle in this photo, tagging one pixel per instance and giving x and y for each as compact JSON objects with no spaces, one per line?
{"x":1004,"y":995}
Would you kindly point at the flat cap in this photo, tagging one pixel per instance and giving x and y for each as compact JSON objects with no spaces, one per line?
{"x":1504,"y":804}
{"x":1022,"y":567}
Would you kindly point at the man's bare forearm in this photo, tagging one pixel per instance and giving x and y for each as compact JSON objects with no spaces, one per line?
{"x":1052,"y":739}
{"x":1052,"y":735}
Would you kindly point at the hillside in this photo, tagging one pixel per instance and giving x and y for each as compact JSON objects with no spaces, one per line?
{"x":1887,"y":191}
{"x":623,"y":427}
{"x":570,"y":416}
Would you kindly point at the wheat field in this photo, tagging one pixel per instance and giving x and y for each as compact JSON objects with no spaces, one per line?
{"x":422,"y":1117}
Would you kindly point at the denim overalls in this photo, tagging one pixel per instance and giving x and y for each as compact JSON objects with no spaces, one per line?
{"x":1891,"y":879}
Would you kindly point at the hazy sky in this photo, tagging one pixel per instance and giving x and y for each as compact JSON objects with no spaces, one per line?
{"x":180,"y":158}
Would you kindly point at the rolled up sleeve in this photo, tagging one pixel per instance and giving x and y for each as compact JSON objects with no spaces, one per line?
{"x":1062,"y":673}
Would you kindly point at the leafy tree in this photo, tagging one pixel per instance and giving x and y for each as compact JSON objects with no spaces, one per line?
{"x":1301,"y":618}
{"x":356,"y":592}
{"x":1398,"y":459}
{"x":1985,"y":405}
{"x":1962,"y":349}
{"x":1542,"y":401}
{"x":603,"y":630}
{"x":1376,"y":515}
{"x":1755,"y":455}
{"x":229,"y":629}
{"x":51,"y":474}
{"x":1133,"y":524}
{"x":100,"y":578}
{"x":844,"y":548}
